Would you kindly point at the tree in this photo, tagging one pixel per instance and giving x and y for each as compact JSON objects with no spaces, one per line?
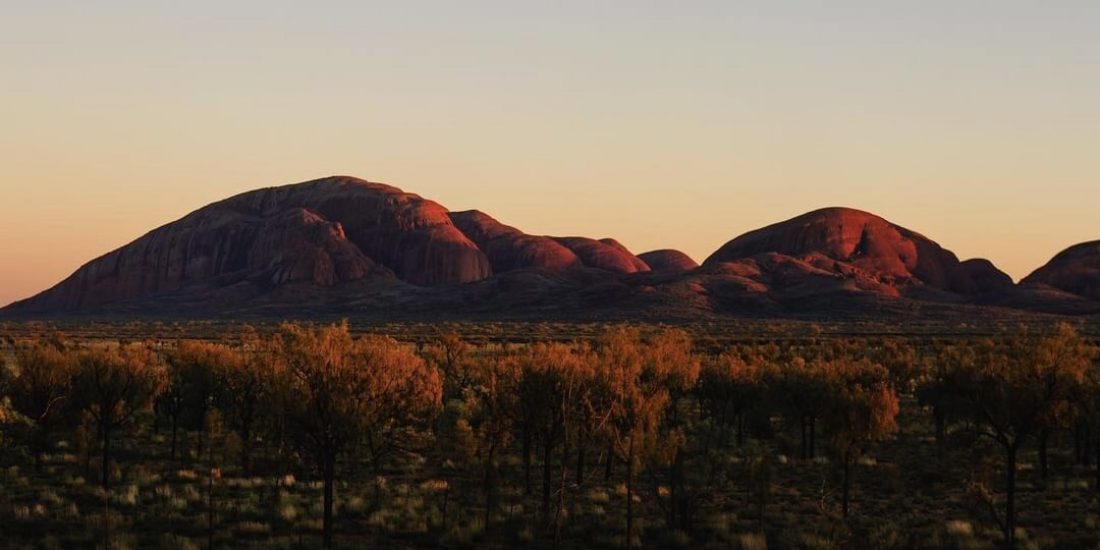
{"x":862,"y":407}
{"x":1074,"y":357}
{"x":247,"y":387}
{"x":1016,"y":387}
{"x":577,"y":403}
{"x":338,"y":391}
{"x":801,"y":386}
{"x":640,"y":386}
{"x":530,"y":408}
{"x":114,"y":385}
{"x":938,"y":389}
{"x":6,"y":411}
{"x":171,"y":403}
{"x":731,"y":388}
{"x":486,"y":422}
{"x":212,"y":426}
{"x":902,"y":361}
{"x":1088,"y":403}
{"x":404,"y":393}
{"x":590,"y":403}
{"x":39,"y":390}
{"x":194,"y":382}
{"x":451,"y":355}
{"x":673,"y":365}
{"x":541,"y":389}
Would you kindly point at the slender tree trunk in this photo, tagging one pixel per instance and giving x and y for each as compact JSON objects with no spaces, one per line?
{"x":105,"y":431}
{"x":210,"y":496}
{"x":446,"y":497}
{"x":763,"y":485}
{"x":630,"y":495}
{"x":741,"y":430}
{"x":88,"y":444}
{"x":941,"y":433}
{"x":803,"y":448}
{"x":490,"y":488}
{"x":246,"y":450}
{"x":527,"y":460}
{"x":329,"y":475}
{"x":1078,"y":445}
{"x":39,"y":446}
{"x":107,"y":520}
{"x":1010,"y":497}
{"x":1098,"y":462}
{"x":580,"y":463}
{"x":846,"y":484}
{"x":106,"y":466}
{"x":1086,"y":453}
{"x":677,"y":492}
{"x":488,"y":499}
{"x":547,"y":457}
{"x":813,"y":437}
{"x":723,"y":428}
{"x":175,"y":431}
{"x":607,"y":464}
{"x":1044,"y":439}
{"x":200,"y":446}
{"x":562,"y":479}
{"x":87,"y":465}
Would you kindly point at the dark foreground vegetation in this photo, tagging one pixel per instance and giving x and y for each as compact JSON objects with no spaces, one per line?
{"x":307,"y":436}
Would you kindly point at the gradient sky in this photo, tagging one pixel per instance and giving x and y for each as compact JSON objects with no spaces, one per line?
{"x":664,"y":124}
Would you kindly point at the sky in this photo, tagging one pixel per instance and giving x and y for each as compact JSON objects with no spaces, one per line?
{"x":675,"y":124}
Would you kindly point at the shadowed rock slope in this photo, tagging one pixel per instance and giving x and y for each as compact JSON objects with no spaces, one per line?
{"x":1075,"y":270}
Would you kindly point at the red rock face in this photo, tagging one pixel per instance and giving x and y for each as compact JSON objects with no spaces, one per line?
{"x":299,"y":245}
{"x":1075,"y":270}
{"x":668,"y":261}
{"x":861,"y":243}
{"x":606,"y":254}
{"x":324,"y":231}
{"x":410,"y":235}
{"x":509,"y":248}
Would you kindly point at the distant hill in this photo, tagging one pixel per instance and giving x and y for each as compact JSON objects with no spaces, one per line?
{"x":346,"y":246}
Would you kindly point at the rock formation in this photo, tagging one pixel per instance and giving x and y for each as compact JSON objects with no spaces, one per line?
{"x":1075,"y":270}
{"x":606,"y":254}
{"x":325,"y":231}
{"x":668,"y":261}
{"x":344,"y":246}
{"x":509,"y":248}
{"x":859,"y":245}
